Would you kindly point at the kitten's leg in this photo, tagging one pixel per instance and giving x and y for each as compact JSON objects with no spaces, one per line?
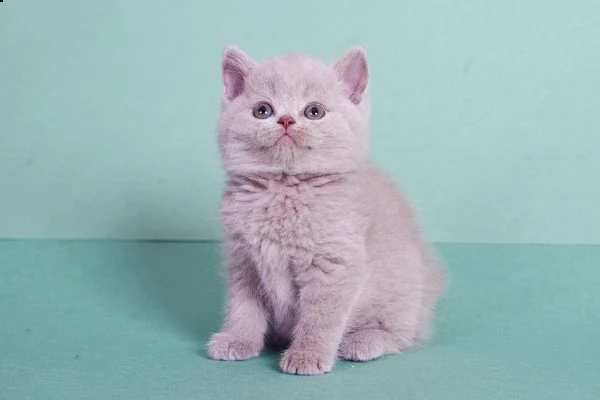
{"x":242,"y":335}
{"x":396,"y":313}
{"x":433,"y":292}
{"x":327,"y":292}
{"x":388,"y":325}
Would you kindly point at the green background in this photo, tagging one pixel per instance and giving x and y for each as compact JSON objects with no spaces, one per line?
{"x":486,"y":112}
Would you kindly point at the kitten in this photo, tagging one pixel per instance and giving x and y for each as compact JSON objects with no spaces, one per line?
{"x":322,"y":255}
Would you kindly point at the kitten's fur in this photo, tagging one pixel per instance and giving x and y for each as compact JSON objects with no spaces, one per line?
{"x":322,"y":254}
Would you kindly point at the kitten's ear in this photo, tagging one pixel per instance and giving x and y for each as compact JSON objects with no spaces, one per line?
{"x":353,"y":73}
{"x":236,"y":67}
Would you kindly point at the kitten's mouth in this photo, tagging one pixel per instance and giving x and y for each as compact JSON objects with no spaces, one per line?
{"x":285,"y":139}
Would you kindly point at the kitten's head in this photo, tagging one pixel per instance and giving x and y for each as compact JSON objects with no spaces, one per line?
{"x":293,"y":114}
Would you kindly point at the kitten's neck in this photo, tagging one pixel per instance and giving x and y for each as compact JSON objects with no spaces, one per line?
{"x":287,"y":179}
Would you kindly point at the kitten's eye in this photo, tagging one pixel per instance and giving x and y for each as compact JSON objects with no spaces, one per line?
{"x":314,"y":111}
{"x":262,"y":110}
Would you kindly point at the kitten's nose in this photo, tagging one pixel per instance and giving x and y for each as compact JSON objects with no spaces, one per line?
{"x":286,"y":121}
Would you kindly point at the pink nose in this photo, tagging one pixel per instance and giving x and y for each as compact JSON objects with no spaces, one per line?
{"x":286,"y":121}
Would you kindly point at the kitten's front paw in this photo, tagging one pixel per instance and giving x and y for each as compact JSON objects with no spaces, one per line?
{"x":227,"y":347}
{"x":302,"y":362}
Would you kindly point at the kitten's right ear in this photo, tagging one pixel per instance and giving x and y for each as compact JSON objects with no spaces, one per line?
{"x":236,"y":67}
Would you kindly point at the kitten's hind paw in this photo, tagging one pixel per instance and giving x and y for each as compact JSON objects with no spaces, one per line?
{"x":301,"y":362}
{"x":225,"y":346}
{"x":368,"y":344}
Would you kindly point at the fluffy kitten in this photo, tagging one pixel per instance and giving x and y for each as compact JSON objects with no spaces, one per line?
{"x":323,"y":256}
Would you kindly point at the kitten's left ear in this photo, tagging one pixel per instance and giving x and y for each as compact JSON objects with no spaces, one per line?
{"x":353,"y":73}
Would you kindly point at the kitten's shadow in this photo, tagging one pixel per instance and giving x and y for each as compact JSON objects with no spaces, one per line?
{"x":273,"y":354}
{"x":182,"y":281}
{"x":179,"y":282}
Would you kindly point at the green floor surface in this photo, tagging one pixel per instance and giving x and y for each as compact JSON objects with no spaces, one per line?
{"x":129,"y":320}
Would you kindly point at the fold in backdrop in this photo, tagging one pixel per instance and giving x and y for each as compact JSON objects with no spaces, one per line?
{"x":485,"y":112}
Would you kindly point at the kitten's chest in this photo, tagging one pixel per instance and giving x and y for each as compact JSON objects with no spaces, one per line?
{"x":277,"y":221}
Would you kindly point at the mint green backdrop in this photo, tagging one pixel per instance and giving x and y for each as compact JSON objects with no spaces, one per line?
{"x":487,"y":113}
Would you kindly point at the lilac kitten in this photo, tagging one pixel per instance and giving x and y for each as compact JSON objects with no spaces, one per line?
{"x":322,"y":254}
